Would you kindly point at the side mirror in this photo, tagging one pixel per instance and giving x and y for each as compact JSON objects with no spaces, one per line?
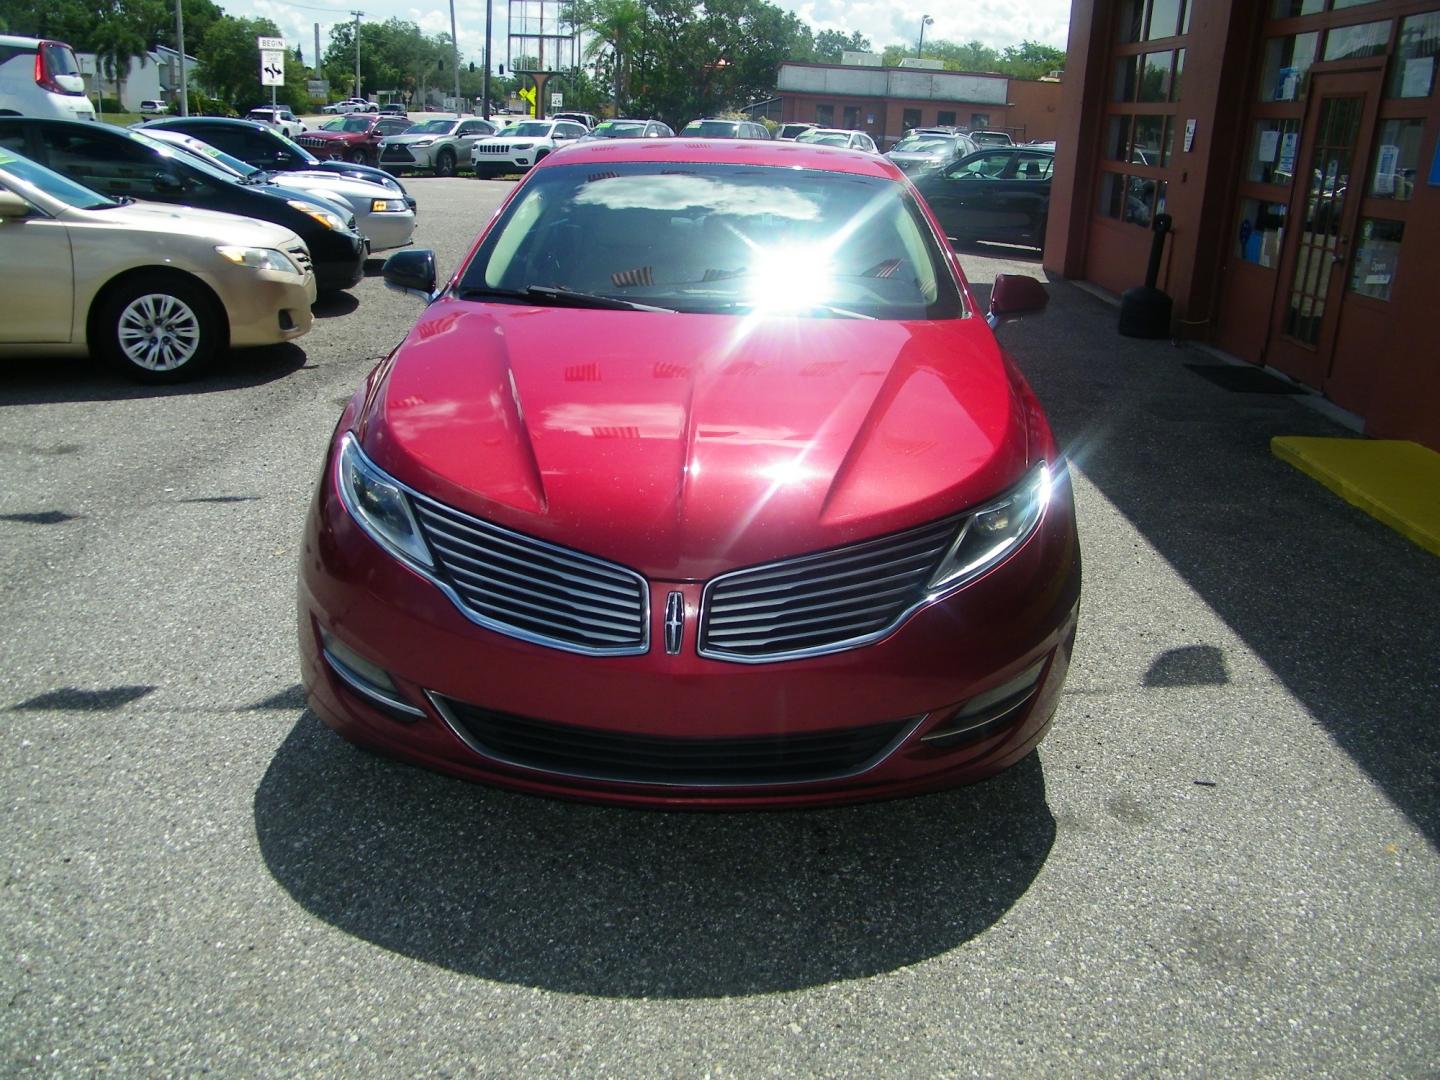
{"x":1015,"y":294}
{"x":412,"y":272}
{"x":12,"y":206}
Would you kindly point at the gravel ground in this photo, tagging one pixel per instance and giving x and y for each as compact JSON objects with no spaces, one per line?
{"x":1222,"y":861}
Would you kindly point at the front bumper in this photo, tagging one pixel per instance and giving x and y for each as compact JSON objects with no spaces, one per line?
{"x":1015,"y":623}
{"x":339,"y":260}
{"x":265,"y":307}
{"x":387,"y":230}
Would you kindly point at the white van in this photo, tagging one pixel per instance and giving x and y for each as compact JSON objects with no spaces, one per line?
{"x":41,"y":78}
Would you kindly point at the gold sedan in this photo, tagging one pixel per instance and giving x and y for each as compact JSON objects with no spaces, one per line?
{"x":158,"y":291}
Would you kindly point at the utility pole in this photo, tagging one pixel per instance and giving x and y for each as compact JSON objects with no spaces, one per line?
{"x":180,"y":44}
{"x":455,"y":56}
{"x":357,"y":15}
{"x":485,"y":94}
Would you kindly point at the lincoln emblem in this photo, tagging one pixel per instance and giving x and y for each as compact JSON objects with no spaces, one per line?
{"x":674,"y":622}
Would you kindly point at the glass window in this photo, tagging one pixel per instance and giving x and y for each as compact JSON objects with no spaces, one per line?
{"x":1126,"y":68}
{"x":852,"y":117}
{"x":1397,"y":156}
{"x":1377,"y":258}
{"x":1179,"y":71}
{"x":1339,"y":5}
{"x":1356,"y":42}
{"x":1155,"y":79}
{"x":1286,"y":9}
{"x":945,"y":118}
{"x":910,"y":119}
{"x":1164,"y":18}
{"x":1130,"y":20}
{"x":1112,"y":187}
{"x":1261,"y":232}
{"x":1272,"y":152}
{"x":825,"y":116}
{"x":1117,"y":139}
{"x":1140,"y":198}
{"x":985,"y":166}
{"x":1287,"y":60}
{"x":979,"y":121}
{"x":1149,"y":130}
{"x":1412,"y":73}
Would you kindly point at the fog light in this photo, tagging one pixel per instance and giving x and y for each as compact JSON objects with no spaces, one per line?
{"x":365,"y":678}
{"x":984,"y":713}
{"x":287,"y":321}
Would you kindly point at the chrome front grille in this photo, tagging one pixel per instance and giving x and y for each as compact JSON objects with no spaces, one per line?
{"x":396,"y":152}
{"x":300,"y":256}
{"x":536,"y":591}
{"x":823,"y":603}
{"x":491,"y":148}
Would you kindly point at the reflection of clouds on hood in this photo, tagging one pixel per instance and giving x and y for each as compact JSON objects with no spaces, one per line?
{"x":685,"y":192}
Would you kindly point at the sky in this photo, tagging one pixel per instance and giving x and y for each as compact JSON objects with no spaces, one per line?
{"x":994,"y":22}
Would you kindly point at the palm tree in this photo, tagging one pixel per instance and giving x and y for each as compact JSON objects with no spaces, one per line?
{"x":614,"y":25}
{"x":116,"y":43}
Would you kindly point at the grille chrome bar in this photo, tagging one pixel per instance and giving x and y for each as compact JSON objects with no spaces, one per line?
{"x":812,"y":605}
{"x":533,"y":590}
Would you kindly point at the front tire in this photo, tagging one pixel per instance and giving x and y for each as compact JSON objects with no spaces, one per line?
{"x":356,"y":156}
{"x":445,"y":163}
{"x":159,"y":329}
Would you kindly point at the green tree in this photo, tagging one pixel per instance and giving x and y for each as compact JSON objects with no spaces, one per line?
{"x":829,"y":44}
{"x":230,"y":65}
{"x":615,"y":27}
{"x":117,"y":39}
{"x":1031,"y":60}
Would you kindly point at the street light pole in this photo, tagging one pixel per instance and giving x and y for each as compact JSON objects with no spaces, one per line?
{"x":925,"y":20}
{"x":485,"y":92}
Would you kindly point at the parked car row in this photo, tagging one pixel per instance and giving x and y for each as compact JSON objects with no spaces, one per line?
{"x":144,"y":290}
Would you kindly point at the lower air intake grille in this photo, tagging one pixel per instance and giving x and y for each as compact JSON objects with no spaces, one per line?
{"x":816,"y":604}
{"x":648,"y":759}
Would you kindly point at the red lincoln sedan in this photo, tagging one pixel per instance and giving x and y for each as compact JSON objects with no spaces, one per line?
{"x":702,"y":483}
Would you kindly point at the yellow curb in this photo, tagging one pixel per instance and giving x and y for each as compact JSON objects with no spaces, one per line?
{"x":1395,"y":482}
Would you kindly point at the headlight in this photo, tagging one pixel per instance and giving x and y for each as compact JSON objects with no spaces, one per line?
{"x":258,"y":258}
{"x":384,"y":206}
{"x":324,"y":217}
{"x":423,"y":142}
{"x":521,"y":146}
{"x":378,"y":505}
{"x":994,"y":530}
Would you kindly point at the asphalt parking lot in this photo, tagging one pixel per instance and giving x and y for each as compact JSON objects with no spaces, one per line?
{"x":1221,"y":862}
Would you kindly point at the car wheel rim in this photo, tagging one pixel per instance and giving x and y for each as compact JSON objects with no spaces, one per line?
{"x":159,"y":332}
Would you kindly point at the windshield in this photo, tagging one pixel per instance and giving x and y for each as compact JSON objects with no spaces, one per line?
{"x":530,"y":129}
{"x":732,"y":239}
{"x":194,"y":161}
{"x":52,"y":183}
{"x":434,"y":127}
{"x":333,"y":125}
{"x":619,"y":129}
{"x":925,"y":144}
{"x":824,"y":140}
{"x":712,"y":129}
{"x":356,"y":123}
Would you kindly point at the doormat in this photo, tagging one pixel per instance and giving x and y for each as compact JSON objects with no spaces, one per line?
{"x":1244,"y":379}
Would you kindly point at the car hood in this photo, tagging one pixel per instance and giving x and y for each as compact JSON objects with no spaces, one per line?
{"x":335,"y":136}
{"x":910,"y":162}
{"x":685,"y":445}
{"x":333,"y":185}
{"x":220,"y":227}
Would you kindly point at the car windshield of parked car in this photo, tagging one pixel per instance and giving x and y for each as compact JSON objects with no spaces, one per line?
{"x":620,"y":129}
{"x":337,"y":124}
{"x":353,"y":124}
{"x":194,"y":161}
{"x":925,"y":144}
{"x":717,"y":238}
{"x":528,"y":129}
{"x":52,"y":183}
{"x":434,"y":127}
{"x":712,"y":129}
{"x":829,"y":139}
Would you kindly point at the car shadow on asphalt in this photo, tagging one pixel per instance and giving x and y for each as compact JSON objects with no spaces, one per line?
{"x":1337,"y":606}
{"x":332,"y":305}
{"x":46,"y":380}
{"x":630,"y":903}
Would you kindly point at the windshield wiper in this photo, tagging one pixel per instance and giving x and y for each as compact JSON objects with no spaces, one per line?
{"x":560,"y":297}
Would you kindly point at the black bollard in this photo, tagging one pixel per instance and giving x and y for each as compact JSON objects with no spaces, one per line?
{"x":1145,"y":310}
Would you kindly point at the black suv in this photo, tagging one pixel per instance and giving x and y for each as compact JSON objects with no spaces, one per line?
{"x":118,"y":162}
